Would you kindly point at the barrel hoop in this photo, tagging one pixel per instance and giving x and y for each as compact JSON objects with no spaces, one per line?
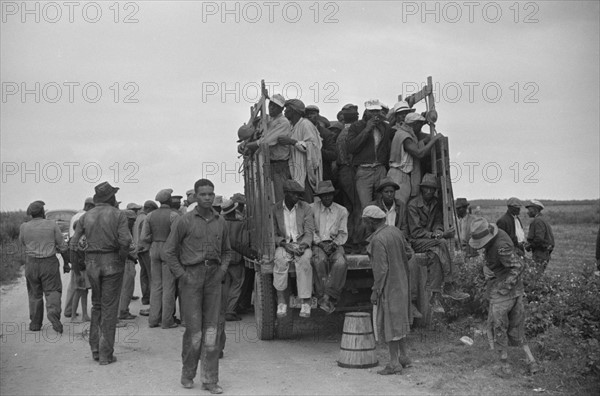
{"x":357,"y":349}
{"x":367,"y":333}
{"x":358,"y":366}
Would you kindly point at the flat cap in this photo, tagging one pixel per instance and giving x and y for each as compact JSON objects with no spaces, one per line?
{"x":36,"y":207}
{"x":373,"y":212}
{"x":413,"y":117}
{"x":164,"y":195}
{"x":296,"y":104}
{"x":133,"y":205}
{"x":535,"y":202}
{"x":130,"y":213}
{"x":514,"y":201}
{"x":312,"y":108}
{"x":150,"y":204}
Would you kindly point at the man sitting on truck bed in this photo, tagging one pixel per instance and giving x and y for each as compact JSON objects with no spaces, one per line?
{"x":293,"y":226}
{"x":426,"y":233}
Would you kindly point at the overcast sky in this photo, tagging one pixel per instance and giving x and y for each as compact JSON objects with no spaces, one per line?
{"x":156,"y":102}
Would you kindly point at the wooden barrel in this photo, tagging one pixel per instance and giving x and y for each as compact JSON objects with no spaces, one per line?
{"x":357,"y":348}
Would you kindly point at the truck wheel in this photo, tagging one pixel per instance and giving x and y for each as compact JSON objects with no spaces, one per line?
{"x":264,"y":306}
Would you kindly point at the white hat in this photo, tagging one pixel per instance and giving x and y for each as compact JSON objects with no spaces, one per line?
{"x":412,"y":117}
{"x":535,"y":202}
{"x":278,"y":99}
{"x":373,"y":212}
{"x":402,"y":106}
{"x":373,"y":104}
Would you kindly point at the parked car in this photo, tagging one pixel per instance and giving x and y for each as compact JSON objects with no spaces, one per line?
{"x":63,"y":219}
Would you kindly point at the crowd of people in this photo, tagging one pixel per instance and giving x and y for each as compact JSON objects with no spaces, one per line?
{"x":347,"y":187}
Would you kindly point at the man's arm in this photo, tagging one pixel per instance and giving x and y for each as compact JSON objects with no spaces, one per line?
{"x":170,"y":248}
{"x":226,"y":251}
{"x":510,"y":260}
{"x":413,"y":148}
{"x":379,"y":262}
{"x":414,"y":226}
{"x":357,"y":135}
{"x":146,"y":234}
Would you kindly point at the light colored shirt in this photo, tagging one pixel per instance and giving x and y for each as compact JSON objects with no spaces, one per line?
{"x":331,"y":224}
{"x":305,"y":156}
{"x":276,"y":127}
{"x":191,"y":207}
{"x":390,"y":215}
{"x":399,"y":157}
{"x":291,"y":227}
{"x":75,"y":217}
{"x":41,"y":238}
{"x":519,"y":230}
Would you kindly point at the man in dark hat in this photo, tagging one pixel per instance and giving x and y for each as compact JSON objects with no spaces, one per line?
{"x":279,"y":153}
{"x":394,"y":209}
{"x":427,"y":235}
{"x":328,"y":257}
{"x":511,"y":224}
{"x":329,"y":149}
{"x":540,"y":238}
{"x":369,"y":143}
{"x":41,"y":239}
{"x":155,"y":231}
{"x":294,"y":227}
{"x":198,"y":253}
{"x":306,"y":165}
{"x":108,"y":240}
{"x":406,"y":153}
{"x":143,"y":253}
{"x":464,"y":226}
{"x":504,"y":288}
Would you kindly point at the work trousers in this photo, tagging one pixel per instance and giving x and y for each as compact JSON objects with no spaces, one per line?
{"x":403,"y":180}
{"x":200,"y":293}
{"x":280,"y":172}
{"x":350,"y":200}
{"x":43,"y":279}
{"x":367,"y":180}
{"x":105,"y":272}
{"x":162,"y":294}
{"x":439,"y":264}
{"x":225,"y":292}
{"x":70,"y":292}
{"x":303,"y":271}
{"x":330,"y":272}
{"x":127,"y":288}
{"x":145,"y":275}
{"x":233,"y":282}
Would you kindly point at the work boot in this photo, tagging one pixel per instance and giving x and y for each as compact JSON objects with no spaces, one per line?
{"x":215,"y":389}
{"x":57,"y":326}
{"x":436,"y":305}
{"x":415,"y":312}
{"x":451,"y":291}
{"x":187,"y":383}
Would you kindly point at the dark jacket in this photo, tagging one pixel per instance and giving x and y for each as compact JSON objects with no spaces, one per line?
{"x":361,"y":144}
{"x":401,"y":214}
{"x":507,"y":223}
{"x":328,"y":151}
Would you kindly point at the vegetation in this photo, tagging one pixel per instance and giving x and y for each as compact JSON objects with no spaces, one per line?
{"x":10,"y":253}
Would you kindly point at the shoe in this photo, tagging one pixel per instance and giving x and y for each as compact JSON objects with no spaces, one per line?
{"x":121,"y":324}
{"x":127,"y":316}
{"x":305,"y":311}
{"x":231,"y":317}
{"x":221,"y":354}
{"x":450,"y":291}
{"x":134,"y":298}
{"x":177,"y":320}
{"x":111,"y":360}
{"x":96,"y":356}
{"x":389,"y":370}
{"x":533,"y":367}
{"x":327,"y":306}
{"x":281,"y":310}
{"x":152,"y":326}
{"x":187,"y":383}
{"x":34,"y":327}
{"x":415,"y":312}
{"x":215,"y":389}
{"x":405,"y":361}
{"x":172,"y":326}
{"x":436,"y":307}
{"x":145,"y":302}
{"x":58,"y":327}
{"x":144,"y":312}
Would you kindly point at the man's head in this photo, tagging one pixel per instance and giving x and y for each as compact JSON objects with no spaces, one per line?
{"x":400,"y":111}
{"x":482,"y":233}
{"x":428,"y":186}
{"x":325,"y":191}
{"x":189,"y":197}
{"x":387,"y":188}
{"x":88,"y":204}
{"x":36,"y":209}
{"x":133,"y":206}
{"x":205,"y":193}
{"x":276,"y":105}
{"x":131,"y":216}
{"x":514,"y":206}
{"x":373,"y":217}
{"x":461,"y":206}
{"x":349,"y":113}
{"x":373,"y":109}
{"x":149,"y":206}
{"x":312,"y":113}
{"x":294,"y":110}
{"x":293,"y":192}
{"x":164,"y":196}
{"x":176,"y":201}
{"x":105,"y":193}
{"x":415,"y":121}
{"x":534,"y":207}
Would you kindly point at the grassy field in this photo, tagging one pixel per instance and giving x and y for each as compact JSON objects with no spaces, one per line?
{"x":10,"y":254}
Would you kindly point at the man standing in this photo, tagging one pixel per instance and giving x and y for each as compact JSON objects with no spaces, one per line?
{"x":540,"y":238}
{"x":391,"y":289}
{"x":369,"y":143}
{"x":504,"y":288}
{"x":329,"y":149}
{"x":143,"y":253}
{"x":511,"y":224}
{"x":328,"y":258}
{"x":156,"y":230}
{"x":406,"y":154}
{"x":40,"y":239}
{"x":198,"y":253}
{"x":306,"y":166}
{"x":108,"y":239}
{"x":427,"y":235}
{"x":128,"y":273}
{"x":87,"y":205}
{"x":294,"y":228}
{"x":464,"y":226}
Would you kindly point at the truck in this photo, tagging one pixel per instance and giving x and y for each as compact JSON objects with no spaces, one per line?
{"x":258,"y":188}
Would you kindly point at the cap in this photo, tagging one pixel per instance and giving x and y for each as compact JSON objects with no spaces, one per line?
{"x":164,"y":195}
{"x":373,"y":212}
{"x":150,"y":204}
{"x":373,"y":104}
{"x":514,"y":202}
{"x":535,"y":202}
{"x":133,"y":206}
{"x":35,"y":207}
{"x":412,"y":117}
{"x":278,"y":99}
{"x":312,"y":108}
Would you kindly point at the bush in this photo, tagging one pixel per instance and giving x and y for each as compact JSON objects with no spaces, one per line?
{"x":11,"y":256}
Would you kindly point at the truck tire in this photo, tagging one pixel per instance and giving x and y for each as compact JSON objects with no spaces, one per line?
{"x":264,"y":306}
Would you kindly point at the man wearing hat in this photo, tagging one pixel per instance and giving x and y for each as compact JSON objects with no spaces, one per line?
{"x":218,"y":203}
{"x":503,"y":270}
{"x":464,"y":226}
{"x":108,"y":241}
{"x":294,"y":227}
{"x":279,"y":153}
{"x":87,"y":205}
{"x":41,"y":239}
{"x":511,"y":224}
{"x":540,"y":238}
{"x":329,"y":149}
{"x":240,"y":199}
{"x":328,"y":258}
{"x":427,"y":235}
{"x":143,"y":253}
{"x":389,"y":255}
{"x":189,"y":203}
{"x":198,"y":253}
{"x":406,"y":153}
{"x":369,"y":143}
{"x":155,"y":231}
{"x":133,"y":206}
{"x":394,"y":209}
{"x":305,"y":163}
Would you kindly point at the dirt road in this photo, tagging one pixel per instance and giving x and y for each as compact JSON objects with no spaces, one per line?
{"x":149,"y":359}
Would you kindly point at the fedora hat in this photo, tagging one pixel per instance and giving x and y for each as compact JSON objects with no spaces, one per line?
{"x":429,"y":180}
{"x":292,"y":186}
{"x":104,"y":191}
{"x":461,"y":202}
{"x":278,"y":99}
{"x":228,"y":206}
{"x":385,"y":182}
{"x":482,"y":232}
{"x":325,"y":187}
